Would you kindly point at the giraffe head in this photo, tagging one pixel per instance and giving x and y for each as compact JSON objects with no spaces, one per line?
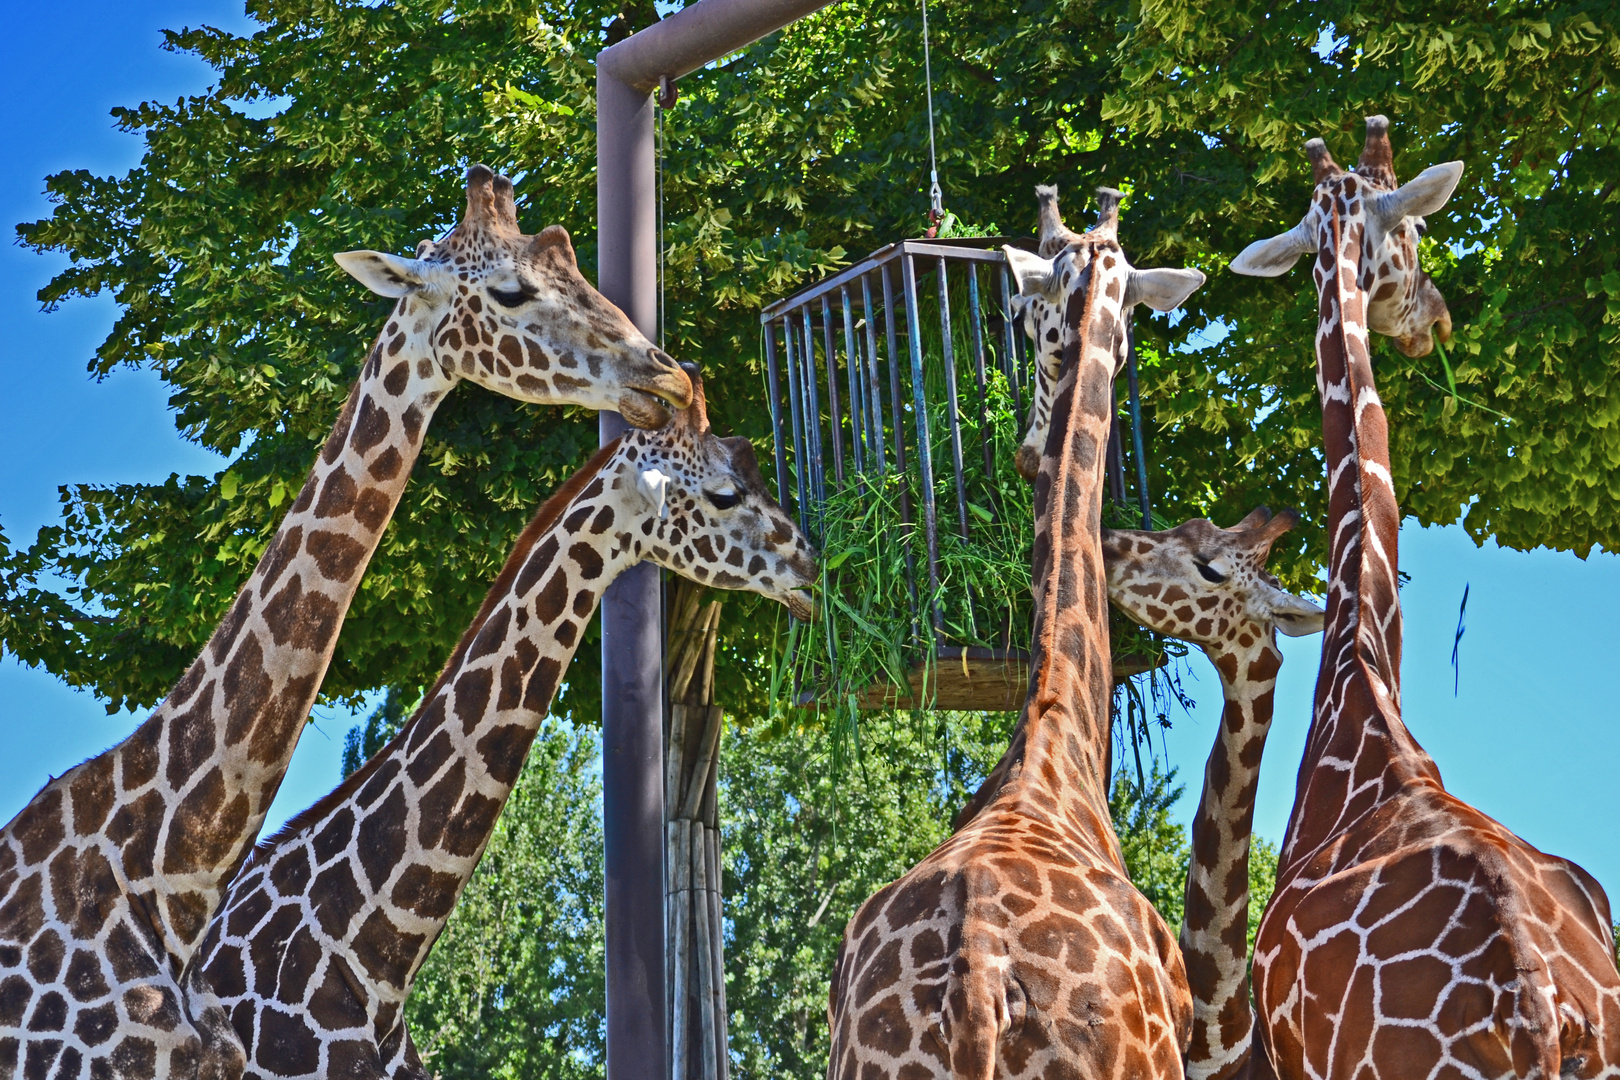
{"x":1206,"y":584}
{"x":1387,"y":217}
{"x":513,"y":313}
{"x":704,"y":510}
{"x":1047,"y":281}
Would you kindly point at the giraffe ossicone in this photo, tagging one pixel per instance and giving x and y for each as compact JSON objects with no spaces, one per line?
{"x":1041,"y":280}
{"x":1019,"y":947}
{"x":308,"y":963}
{"x":1209,"y":586}
{"x":1409,"y":933}
{"x":110,"y":875}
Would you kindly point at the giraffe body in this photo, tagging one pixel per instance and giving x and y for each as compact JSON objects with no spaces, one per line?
{"x":108,"y":878}
{"x":1409,"y":934}
{"x":1019,"y":947}
{"x":311,"y":957}
{"x":1209,"y":586}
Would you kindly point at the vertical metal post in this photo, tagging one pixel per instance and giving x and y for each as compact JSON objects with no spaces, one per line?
{"x":895,"y":405}
{"x":632,"y":622}
{"x":947,"y":351}
{"x":812,"y":418}
{"x":836,"y":422}
{"x":974,"y":317}
{"x":1010,"y":335}
{"x":852,"y":366}
{"x":801,"y":461}
{"x":632,"y":615}
{"x":774,"y":388}
{"x":874,"y":397}
{"x":1136,"y":428}
{"x":925,"y":455}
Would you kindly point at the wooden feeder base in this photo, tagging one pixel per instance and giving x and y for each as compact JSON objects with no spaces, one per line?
{"x":981,"y":679}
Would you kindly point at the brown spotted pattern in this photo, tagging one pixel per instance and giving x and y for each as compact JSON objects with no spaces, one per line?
{"x":1019,"y":948}
{"x":1410,"y":934}
{"x":1209,"y":586}
{"x":109,"y":877}
{"x":311,"y":958}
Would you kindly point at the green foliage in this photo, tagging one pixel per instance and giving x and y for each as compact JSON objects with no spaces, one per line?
{"x":514,"y":987}
{"x":1525,"y":252}
{"x":1154,"y":844}
{"x":342,"y":124}
{"x":805,"y":844}
{"x":373,"y":733}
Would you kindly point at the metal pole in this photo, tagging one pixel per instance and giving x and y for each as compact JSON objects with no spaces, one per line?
{"x":632,"y":610}
{"x":632,"y":615}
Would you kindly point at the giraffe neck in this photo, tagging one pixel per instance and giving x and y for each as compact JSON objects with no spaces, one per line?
{"x":394,"y":845}
{"x":177,"y":805}
{"x":1356,"y":734}
{"x":1214,"y":933}
{"x":1059,"y":754}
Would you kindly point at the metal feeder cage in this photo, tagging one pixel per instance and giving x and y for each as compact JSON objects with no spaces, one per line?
{"x":852,"y":386}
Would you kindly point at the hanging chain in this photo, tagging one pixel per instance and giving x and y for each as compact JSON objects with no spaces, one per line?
{"x":936,"y":197}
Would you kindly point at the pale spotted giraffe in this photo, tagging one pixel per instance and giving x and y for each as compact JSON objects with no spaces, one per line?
{"x":1051,"y":236}
{"x":1410,"y":934}
{"x":1209,"y":586}
{"x":311,"y":958}
{"x":109,"y":876}
{"x":1019,"y":948}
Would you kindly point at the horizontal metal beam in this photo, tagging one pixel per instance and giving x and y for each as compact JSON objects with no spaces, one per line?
{"x":697,"y":35}
{"x":985,"y":249}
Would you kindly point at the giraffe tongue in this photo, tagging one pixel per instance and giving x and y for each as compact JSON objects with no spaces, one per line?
{"x":643,"y":410}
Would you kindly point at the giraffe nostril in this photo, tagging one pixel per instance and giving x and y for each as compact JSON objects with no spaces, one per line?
{"x":663,"y":359}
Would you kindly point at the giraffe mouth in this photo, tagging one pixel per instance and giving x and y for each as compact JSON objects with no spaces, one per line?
{"x":647,"y":408}
{"x":799,"y":605}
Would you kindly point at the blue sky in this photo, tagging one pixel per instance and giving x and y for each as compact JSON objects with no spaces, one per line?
{"x":1531,"y":737}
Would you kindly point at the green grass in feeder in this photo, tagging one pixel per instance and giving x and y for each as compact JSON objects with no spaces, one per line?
{"x":874,"y":620}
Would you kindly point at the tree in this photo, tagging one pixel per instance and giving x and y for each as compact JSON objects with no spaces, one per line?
{"x":514,"y":987}
{"x":342,"y":124}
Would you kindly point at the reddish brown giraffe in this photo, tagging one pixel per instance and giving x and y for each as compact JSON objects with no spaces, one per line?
{"x":109,"y":876}
{"x":312,"y":956}
{"x":1410,"y":934}
{"x":1209,"y":586}
{"x":1019,"y":948}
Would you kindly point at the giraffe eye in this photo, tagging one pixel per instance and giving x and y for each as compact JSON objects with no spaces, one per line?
{"x":1420,"y":226}
{"x":723,"y":500}
{"x":1209,"y":573}
{"x":509,"y":297}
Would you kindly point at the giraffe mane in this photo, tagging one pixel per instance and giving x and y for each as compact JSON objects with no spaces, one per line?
{"x":550,"y":512}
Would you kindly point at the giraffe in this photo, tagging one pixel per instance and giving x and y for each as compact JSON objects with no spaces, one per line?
{"x":310,"y":959}
{"x":1209,"y":586}
{"x":109,"y":876}
{"x":1409,"y":933}
{"x":1019,"y":947}
{"x":1042,"y":326}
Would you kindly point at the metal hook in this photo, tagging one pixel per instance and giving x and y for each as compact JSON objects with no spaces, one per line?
{"x":667,"y":94}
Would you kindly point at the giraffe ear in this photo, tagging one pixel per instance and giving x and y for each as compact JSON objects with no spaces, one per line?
{"x":1031,"y":273}
{"x":385,"y":275}
{"x":1295,"y":615}
{"x":654,"y":487}
{"x":1163,"y":289}
{"x":1423,"y":194}
{"x":1276,"y":256}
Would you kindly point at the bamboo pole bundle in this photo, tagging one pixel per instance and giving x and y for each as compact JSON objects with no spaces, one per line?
{"x":695,"y":956}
